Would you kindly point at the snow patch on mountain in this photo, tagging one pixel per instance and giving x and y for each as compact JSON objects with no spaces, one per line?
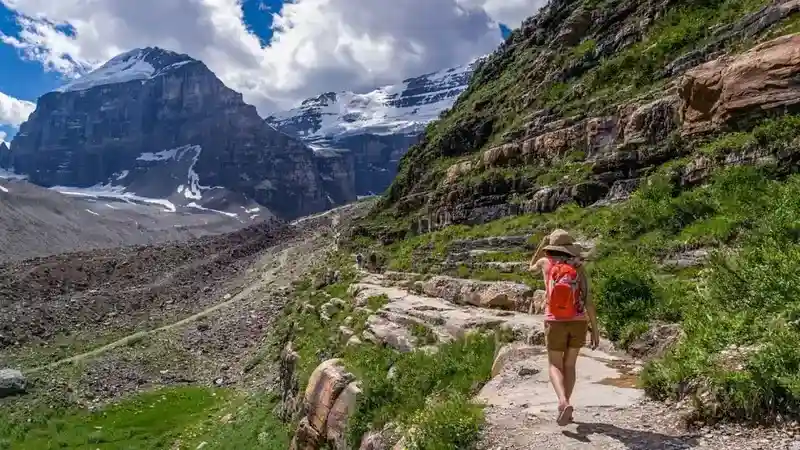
{"x":192,"y":189}
{"x":404,"y":108}
{"x":140,"y":64}
{"x":108,"y":191}
{"x":10,"y":175}
{"x":164,"y":155}
{"x":202,"y":208}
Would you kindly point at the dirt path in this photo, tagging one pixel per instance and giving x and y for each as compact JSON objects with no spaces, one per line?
{"x":277,"y":268}
{"x":128,"y":340}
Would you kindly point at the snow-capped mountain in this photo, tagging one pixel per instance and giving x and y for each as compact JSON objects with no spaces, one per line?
{"x":152,"y":125}
{"x":139,"y":64}
{"x":404,"y":108}
{"x":375,"y":128}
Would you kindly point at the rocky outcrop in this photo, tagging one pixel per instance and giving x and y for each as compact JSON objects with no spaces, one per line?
{"x":12,"y":382}
{"x":729,"y":91}
{"x":589,"y":123}
{"x":321,"y":409}
{"x":342,"y":410}
{"x":656,"y":341}
{"x":485,"y":294}
{"x":513,"y":353}
{"x":290,"y":384}
{"x":5,"y":155}
{"x":162,"y":125}
{"x":337,"y":169}
{"x":411,"y":321}
{"x":610,"y":151}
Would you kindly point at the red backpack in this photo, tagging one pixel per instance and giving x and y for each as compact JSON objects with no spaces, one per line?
{"x":563,"y":290}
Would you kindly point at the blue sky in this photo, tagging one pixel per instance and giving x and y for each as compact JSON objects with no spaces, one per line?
{"x":324,"y":44}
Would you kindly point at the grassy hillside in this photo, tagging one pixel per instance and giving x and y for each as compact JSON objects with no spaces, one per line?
{"x":590,"y":72}
{"x":737,"y":307}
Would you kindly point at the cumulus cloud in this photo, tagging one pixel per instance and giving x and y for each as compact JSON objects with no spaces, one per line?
{"x":318,"y":45}
{"x":3,"y":136}
{"x":509,"y":12}
{"x":14,"y":111}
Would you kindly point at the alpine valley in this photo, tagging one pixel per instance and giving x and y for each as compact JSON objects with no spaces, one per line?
{"x":155,"y":132}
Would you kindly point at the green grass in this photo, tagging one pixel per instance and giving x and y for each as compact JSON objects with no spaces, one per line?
{"x":153,"y":420}
{"x":429,"y":392}
{"x":377,"y":302}
{"x":252,"y":425}
{"x":432,"y":387}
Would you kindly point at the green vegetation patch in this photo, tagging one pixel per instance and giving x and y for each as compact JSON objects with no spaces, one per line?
{"x":428,"y":394}
{"x":153,"y":420}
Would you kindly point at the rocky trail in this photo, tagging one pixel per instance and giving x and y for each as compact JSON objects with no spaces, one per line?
{"x":611,"y":412}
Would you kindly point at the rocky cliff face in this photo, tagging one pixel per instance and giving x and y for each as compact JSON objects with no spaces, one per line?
{"x":375,"y":128}
{"x":587,"y":98}
{"x":5,"y":155}
{"x":158,"y":124}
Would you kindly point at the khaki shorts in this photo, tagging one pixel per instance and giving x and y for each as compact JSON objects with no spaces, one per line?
{"x":566,"y":334}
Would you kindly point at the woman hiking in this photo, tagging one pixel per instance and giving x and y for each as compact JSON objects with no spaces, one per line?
{"x":568,"y":312}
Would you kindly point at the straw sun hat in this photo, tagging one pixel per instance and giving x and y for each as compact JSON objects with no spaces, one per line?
{"x":561,"y":241}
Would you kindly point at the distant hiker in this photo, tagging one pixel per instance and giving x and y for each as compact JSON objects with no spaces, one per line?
{"x":568,"y":312}
{"x":360,"y":261}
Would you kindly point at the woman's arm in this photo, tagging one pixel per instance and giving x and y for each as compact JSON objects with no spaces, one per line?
{"x":591,"y":312}
{"x":538,"y":255}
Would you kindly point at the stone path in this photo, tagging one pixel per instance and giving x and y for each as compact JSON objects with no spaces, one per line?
{"x":393,"y":323}
{"x":610,"y":411}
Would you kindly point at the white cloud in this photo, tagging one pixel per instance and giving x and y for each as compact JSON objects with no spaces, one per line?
{"x":14,"y":111}
{"x":319,"y":45}
{"x":509,"y":12}
{"x":3,"y":136}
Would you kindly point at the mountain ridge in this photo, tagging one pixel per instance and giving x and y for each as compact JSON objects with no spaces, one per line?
{"x":373,"y":130}
{"x":91,"y":131}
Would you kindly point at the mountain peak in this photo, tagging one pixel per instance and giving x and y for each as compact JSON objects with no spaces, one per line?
{"x":137,"y":64}
{"x":403,"y":108}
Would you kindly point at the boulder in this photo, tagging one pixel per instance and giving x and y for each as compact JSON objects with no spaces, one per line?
{"x":656,"y":341}
{"x":305,"y":437}
{"x":345,"y":333}
{"x":735,"y":88}
{"x":373,"y":441}
{"x":538,"y":302}
{"x":340,"y":413}
{"x":12,"y":382}
{"x":354,"y":341}
{"x":512,"y":353}
{"x":325,"y":385}
{"x":382,"y":330}
{"x":381,"y":440}
{"x":331,"y":307}
{"x":289,"y":384}
{"x":500,"y":294}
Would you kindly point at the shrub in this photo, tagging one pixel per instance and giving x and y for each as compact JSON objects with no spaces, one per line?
{"x":625,"y":293}
{"x":451,"y":375}
{"x":743,"y":337}
{"x":454,"y":423}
